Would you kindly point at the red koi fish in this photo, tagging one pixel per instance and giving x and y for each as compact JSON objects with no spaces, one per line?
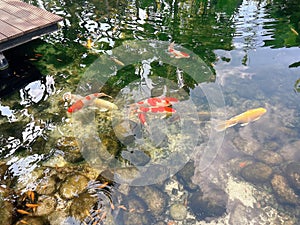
{"x":157,"y":102}
{"x":177,"y":54}
{"x":85,"y":101}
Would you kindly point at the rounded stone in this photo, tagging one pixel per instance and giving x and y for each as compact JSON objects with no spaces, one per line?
{"x":269,"y":157}
{"x":293,"y":175}
{"x":47,"y":205}
{"x":32,"y":221}
{"x":209,"y":204}
{"x":184,"y":176}
{"x":6,"y":211}
{"x":136,"y":219}
{"x":257,"y":172}
{"x":81,"y":205}
{"x":46,"y":186}
{"x":155,"y":199}
{"x":73,"y":186}
{"x":283,"y":191}
{"x":3,"y":170}
{"x":178,"y":212}
{"x":71,"y":149}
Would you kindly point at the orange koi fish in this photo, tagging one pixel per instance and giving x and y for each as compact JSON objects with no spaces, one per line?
{"x":177,"y":54}
{"x":85,"y":101}
{"x":243,"y":119}
{"x":89,"y":43}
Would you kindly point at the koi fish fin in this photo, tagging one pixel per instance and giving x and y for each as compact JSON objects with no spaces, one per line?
{"x":244,"y":124}
{"x":225,"y":124}
{"x":221,"y":126}
{"x":171,"y":47}
{"x":101,"y":109}
{"x":256,"y":118}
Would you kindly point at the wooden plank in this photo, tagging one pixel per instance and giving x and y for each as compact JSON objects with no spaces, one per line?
{"x":14,"y":21}
{"x":21,"y":22}
{"x":26,"y":37}
{"x":35,"y":10}
{"x":22,"y":14}
{"x":3,"y":37}
{"x":8,"y":30}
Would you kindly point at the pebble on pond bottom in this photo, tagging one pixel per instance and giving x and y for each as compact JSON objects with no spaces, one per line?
{"x":178,"y":212}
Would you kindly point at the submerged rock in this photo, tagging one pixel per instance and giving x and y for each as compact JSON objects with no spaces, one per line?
{"x":137,"y":212}
{"x":245,"y":145}
{"x":257,"y":173}
{"x":70,"y":148}
{"x":47,"y":205}
{"x":134,"y":218}
{"x":284,"y":192}
{"x":209,"y":204}
{"x":293,"y":175}
{"x":73,"y":186}
{"x":6,"y":209}
{"x":32,"y":221}
{"x":155,"y":199}
{"x":178,"y":211}
{"x":46,"y":185}
{"x":3,"y":170}
{"x":136,"y":157}
{"x":82,"y":206}
{"x":290,"y":152}
{"x":127,"y":131}
{"x":185,"y":175}
{"x":269,"y":157}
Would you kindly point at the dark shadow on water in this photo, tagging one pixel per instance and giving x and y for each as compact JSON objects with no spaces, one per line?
{"x":20,"y":72}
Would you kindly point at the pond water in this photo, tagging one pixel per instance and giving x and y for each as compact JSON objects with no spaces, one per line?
{"x":165,"y":160}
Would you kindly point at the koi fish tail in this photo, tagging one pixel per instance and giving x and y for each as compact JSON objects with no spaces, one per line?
{"x":171,"y":47}
{"x":142,"y":118}
{"x":225,"y":124}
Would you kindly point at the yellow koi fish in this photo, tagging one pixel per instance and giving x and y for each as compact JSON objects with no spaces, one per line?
{"x":243,"y":119}
{"x":120,"y":63}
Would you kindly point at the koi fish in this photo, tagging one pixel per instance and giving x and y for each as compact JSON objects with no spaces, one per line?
{"x":69,"y":97}
{"x":115,"y":60}
{"x":243,"y":119}
{"x":21,"y":211}
{"x":85,"y":101}
{"x":175,"y":53}
{"x":157,"y":102}
{"x":89,"y":43}
{"x":294,"y":31}
{"x":160,"y":109}
{"x":104,"y":105}
{"x":143,"y":110}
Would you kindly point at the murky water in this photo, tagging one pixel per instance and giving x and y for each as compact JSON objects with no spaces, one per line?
{"x":114,"y":162}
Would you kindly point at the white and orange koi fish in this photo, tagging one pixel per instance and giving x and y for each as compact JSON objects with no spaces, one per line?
{"x":243,"y":119}
{"x":153,"y":105}
{"x":85,"y":101}
{"x":156,"y":102}
{"x":175,"y":53}
{"x":104,"y":105}
{"x":160,"y":109}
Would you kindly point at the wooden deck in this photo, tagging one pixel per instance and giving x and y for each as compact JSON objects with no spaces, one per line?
{"x":21,"y":22}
